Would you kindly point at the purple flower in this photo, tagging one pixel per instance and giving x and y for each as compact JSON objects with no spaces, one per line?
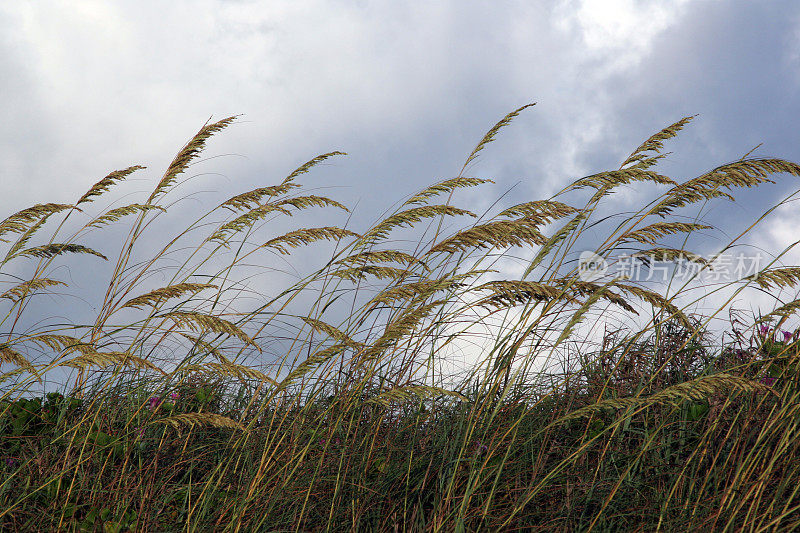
{"x":174,"y":395}
{"x":763,"y":331}
{"x":787,"y":336}
{"x":768,"y":381}
{"x":154,"y":402}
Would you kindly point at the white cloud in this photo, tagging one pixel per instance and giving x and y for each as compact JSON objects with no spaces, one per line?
{"x":619,"y":32}
{"x":778,"y":233}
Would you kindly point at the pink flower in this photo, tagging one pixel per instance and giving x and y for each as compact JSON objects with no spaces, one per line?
{"x":768,"y":381}
{"x":787,"y":336}
{"x":174,"y":396}
{"x":154,"y":402}
{"x":763,"y":331}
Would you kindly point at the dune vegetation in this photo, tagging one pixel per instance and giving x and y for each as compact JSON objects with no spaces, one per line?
{"x":198,"y":395}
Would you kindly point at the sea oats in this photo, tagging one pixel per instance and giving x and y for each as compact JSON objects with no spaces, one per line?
{"x":203,"y":347}
{"x":20,"y":291}
{"x":681,"y":197}
{"x":9,"y":355}
{"x":415,"y":290}
{"x":652,"y":233}
{"x":201,"y":322}
{"x":490,"y":135}
{"x":381,"y":256}
{"x":668,"y":254}
{"x":200,"y":419}
{"x":398,"y":328}
{"x":157,"y":296}
{"x":784,"y":311}
{"x":14,"y":372}
{"x":244,"y":221}
{"x":303,"y":236}
{"x":744,"y":173}
{"x":360,"y":401}
{"x":697,"y":389}
{"x":62,"y":343}
{"x":116,"y":214}
{"x":776,"y":277}
{"x":578,"y":316}
{"x":658,"y":301}
{"x":654,"y":144}
{"x":187,"y":154}
{"x":358,"y":273}
{"x":22,"y":241}
{"x":252,"y":199}
{"x":444,"y":186}
{"x":333,"y":333}
{"x":750,"y":172}
{"x":583,"y":288}
{"x":606,"y":181}
{"x":311,"y":363}
{"x":304,"y":202}
{"x":20,"y":221}
{"x":52,"y":250}
{"x":104,"y":184}
{"x":103,"y":359}
{"x":302,"y":169}
{"x":510,"y":292}
{"x":643,"y":162}
{"x":554,"y":240}
{"x":539,"y":211}
{"x":409,"y":217}
{"x":240,"y":372}
{"x":495,"y":234}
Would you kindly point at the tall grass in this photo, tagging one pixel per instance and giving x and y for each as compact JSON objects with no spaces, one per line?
{"x":204,"y":394}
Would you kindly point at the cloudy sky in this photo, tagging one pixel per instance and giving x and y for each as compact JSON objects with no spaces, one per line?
{"x":405,"y":88}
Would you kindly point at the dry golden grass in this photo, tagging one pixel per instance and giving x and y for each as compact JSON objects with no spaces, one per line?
{"x":202,"y":401}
